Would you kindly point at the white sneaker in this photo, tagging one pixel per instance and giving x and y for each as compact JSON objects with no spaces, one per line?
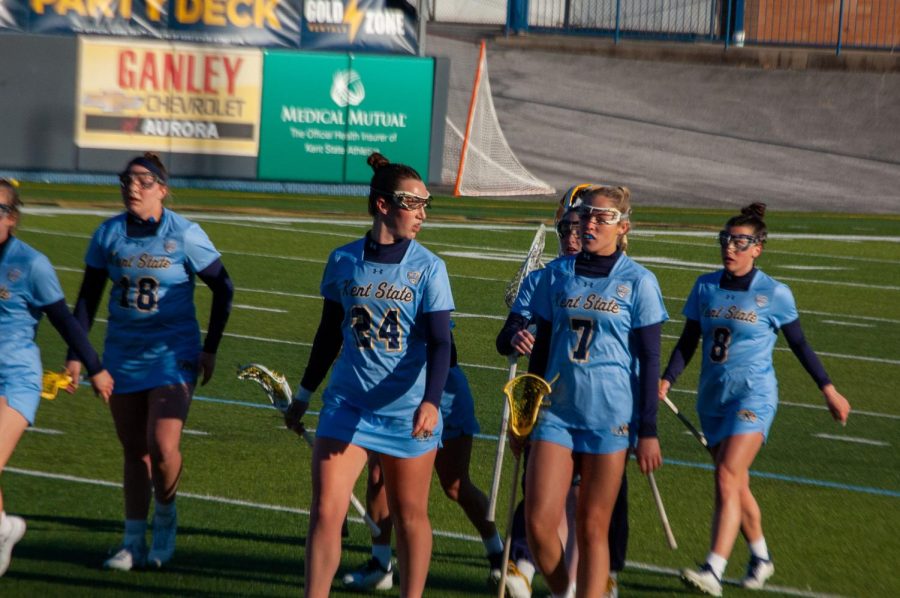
{"x":517,"y":585}
{"x":9,"y":539}
{"x":702,"y":579}
{"x":163,"y":541}
{"x":133,"y":556}
{"x":758,"y":571}
{"x":371,"y":576}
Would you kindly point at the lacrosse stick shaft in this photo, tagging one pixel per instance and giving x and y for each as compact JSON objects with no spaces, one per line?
{"x":670,"y":537}
{"x":687,"y":423}
{"x":507,"y":545}
{"x":501,"y":446}
{"x":358,"y":506}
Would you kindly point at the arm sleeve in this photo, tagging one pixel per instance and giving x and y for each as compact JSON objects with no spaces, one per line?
{"x":796,"y":340}
{"x":683,"y":351}
{"x":514,"y":323}
{"x":326,"y":345}
{"x":540,"y":355}
{"x":648,"y":340}
{"x":89,"y":299}
{"x":437,"y":355}
{"x":65,"y":323}
{"x":216,"y":278}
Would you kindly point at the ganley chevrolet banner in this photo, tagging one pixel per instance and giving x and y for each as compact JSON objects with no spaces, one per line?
{"x":168,"y":97}
{"x":231,"y":22}
{"x":369,"y":25}
{"x":323,"y":114}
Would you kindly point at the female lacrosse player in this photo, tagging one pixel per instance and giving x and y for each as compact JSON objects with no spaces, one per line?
{"x":387,"y":313}
{"x":28,"y":289}
{"x":153,"y":348}
{"x":595,"y":313}
{"x":452,"y":466}
{"x":738,"y":311}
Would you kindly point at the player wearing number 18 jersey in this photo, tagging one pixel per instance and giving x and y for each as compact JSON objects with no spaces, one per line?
{"x":153,"y":256}
{"x":738,"y":311}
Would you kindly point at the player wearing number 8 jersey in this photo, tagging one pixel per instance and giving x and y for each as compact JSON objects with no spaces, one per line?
{"x":738,"y":312}
{"x":153,"y":348}
{"x":385,"y":327}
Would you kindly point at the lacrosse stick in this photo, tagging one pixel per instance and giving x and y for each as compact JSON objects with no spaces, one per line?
{"x":532,"y":262}
{"x":670,"y":537}
{"x":279,"y":392}
{"x":687,"y":423}
{"x":524,"y":398}
{"x":53,"y":382}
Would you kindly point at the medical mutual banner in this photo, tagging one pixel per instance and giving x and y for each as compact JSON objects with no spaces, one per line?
{"x":323,"y":114}
{"x":167,"y":97}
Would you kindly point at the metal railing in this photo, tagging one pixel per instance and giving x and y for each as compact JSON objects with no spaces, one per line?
{"x":836,"y":24}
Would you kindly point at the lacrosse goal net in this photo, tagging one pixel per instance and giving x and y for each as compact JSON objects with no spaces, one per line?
{"x":477,"y":158}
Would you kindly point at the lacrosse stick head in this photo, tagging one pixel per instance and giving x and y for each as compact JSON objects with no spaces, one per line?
{"x":525,"y":395}
{"x":53,"y":382}
{"x":532,"y":262}
{"x":274,"y":384}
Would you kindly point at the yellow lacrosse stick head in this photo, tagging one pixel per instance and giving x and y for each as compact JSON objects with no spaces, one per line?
{"x":525,"y":395}
{"x":53,"y":382}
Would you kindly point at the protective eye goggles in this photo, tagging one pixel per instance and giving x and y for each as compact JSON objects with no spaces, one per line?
{"x":144,"y":179}
{"x":566,"y":228}
{"x":408,"y":200}
{"x":6,"y":209}
{"x":740,"y":242}
{"x":608,"y":216}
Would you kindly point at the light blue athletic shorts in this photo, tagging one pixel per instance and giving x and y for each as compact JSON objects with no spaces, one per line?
{"x":603,"y":441}
{"x":382,"y":434}
{"x":738,"y":417}
{"x":21,"y":385}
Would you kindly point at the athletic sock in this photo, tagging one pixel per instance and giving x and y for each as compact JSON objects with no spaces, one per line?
{"x":717,"y":563}
{"x":166,"y":511}
{"x":382,"y":553}
{"x":759,"y":549}
{"x":494,"y":544}
{"x":526,"y":568}
{"x":135,"y":531}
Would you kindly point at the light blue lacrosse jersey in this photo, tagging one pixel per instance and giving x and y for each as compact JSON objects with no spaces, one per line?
{"x":739,"y":332}
{"x":522,"y":304}
{"x":27,"y":284}
{"x":591,"y":350}
{"x":153,"y":338}
{"x":381,"y":367}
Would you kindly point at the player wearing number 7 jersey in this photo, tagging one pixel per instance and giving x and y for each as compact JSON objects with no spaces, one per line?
{"x":386,"y":328}
{"x":153,"y":350}
{"x":739,"y":311}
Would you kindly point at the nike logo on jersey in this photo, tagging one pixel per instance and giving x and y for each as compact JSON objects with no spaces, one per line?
{"x":732,"y":312}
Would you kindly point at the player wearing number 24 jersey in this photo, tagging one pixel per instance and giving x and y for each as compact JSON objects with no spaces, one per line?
{"x":381,"y":367}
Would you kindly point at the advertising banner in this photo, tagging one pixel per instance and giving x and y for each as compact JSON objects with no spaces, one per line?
{"x":323,"y":114}
{"x":231,"y":22}
{"x":168,"y":97}
{"x":387,"y":26}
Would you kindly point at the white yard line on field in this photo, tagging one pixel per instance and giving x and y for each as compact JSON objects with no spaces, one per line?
{"x":191,"y":432}
{"x":805,"y":405}
{"x":852,"y":439}
{"x":649,"y":567}
{"x":50,"y":431}
{"x":257,"y":308}
{"x":857,"y":324}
